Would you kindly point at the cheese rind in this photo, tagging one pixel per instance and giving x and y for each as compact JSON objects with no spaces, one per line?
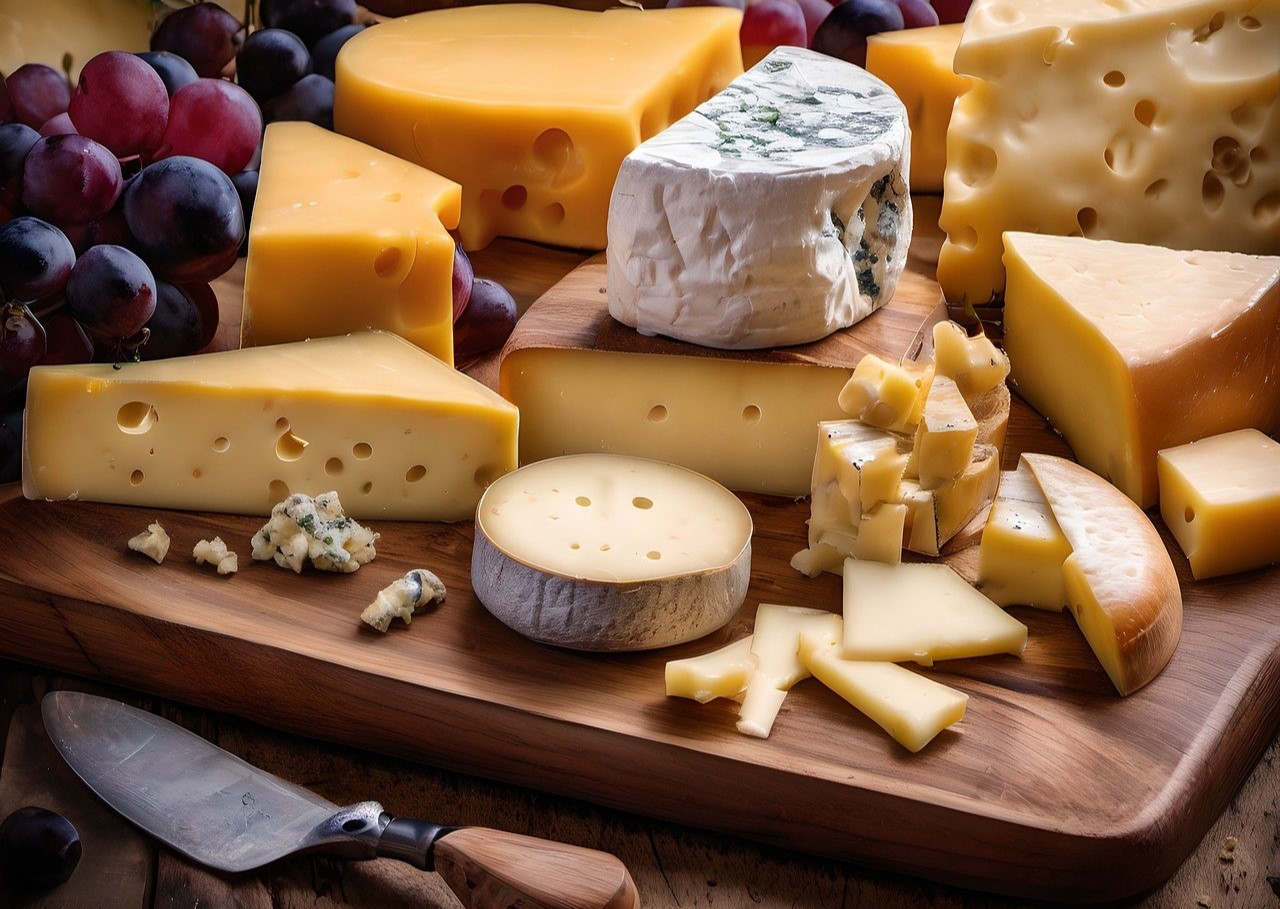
{"x":552,"y":101}
{"x":722,"y":673}
{"x":397,"y":433}
{"x":1023,"y":548}
{"x":819,"y":144}
{"x":1129,"y":349}
{"x":1220,"y":497}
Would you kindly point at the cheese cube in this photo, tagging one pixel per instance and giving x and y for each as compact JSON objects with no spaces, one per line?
{"x":345,"y":237}
{"x":531,"y":107}
{"x":1023,"y":548}
{"x":975,"y":364}
{"x":935,"y":516}
{"x":945,"y":436}
{"x":395,"y":432}
{"x":1221,"y":499}
{"x":886,"y":395}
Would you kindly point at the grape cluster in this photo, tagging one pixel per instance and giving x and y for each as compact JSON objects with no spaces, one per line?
{"x":484,"y":312}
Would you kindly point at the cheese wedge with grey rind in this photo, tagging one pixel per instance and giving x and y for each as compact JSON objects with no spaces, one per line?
{"x":607,"y":552}
{"x":774,"y":214}
{"x":1120,"y":582}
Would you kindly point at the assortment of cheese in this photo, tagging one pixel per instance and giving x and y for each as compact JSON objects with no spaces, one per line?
{"x":750,"y":219}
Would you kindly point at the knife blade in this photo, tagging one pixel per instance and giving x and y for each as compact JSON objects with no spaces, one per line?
{"x":223,"y":812}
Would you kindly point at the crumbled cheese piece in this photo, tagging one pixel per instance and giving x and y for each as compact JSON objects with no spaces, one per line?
{"x":303,"y":528}
{"x":403,"y":598}
{"x":153,"y":542}
{"x":214,"y":552}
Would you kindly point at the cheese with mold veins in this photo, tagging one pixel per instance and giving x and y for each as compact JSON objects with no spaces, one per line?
{"x":403,"y":598}
{"x":1129,"y":349}
{"x":552,"y":101}
{"x":1178,"y":147}
{"x":302,"y":529}
{"x":818,"y":144}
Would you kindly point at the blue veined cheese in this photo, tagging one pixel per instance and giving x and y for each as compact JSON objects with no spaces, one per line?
{"x":774,"y":214}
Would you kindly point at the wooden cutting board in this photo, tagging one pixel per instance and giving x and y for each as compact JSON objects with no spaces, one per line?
{"x":1052,"y":786}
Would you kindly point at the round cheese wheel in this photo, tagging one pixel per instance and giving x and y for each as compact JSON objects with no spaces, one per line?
{"x":607,"y":552}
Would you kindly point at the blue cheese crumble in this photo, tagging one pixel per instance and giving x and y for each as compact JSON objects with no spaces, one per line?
{"x":415,"y":590}
{"x":302,"y":528}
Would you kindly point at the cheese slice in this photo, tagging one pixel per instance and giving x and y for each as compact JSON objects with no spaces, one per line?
{"x":776,"y":645}
{"x":607,"y":552}
{"x":911,"y":708}
{"x":1120,"y":582}
{"x":1129,"y":349}
{"x":917,"y":63}
{"x":394,"y":431}
{"x":886,"y":395}
{"x":935,"y":516}
{"x":1180,"y":147}
{"x":531,"y":107}
{"x":944,"y":437}
{"x":921,"y":612}
{"x":1023,"y":548}
{"x":1221,"y":498}
{"x":722,"y":673}
{"x":345,"y":237}
{"x":975,"y":364}
{"x":816,"y":142}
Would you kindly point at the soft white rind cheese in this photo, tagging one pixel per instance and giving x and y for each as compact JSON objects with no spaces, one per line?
{"x":774,"y":214}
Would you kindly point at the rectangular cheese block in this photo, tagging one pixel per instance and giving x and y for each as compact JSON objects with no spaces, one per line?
{"x":531,"y":107}
{"x":584,"y":382}
{"x":345,"y":237}
{"x":1128,"y":349}
{"x":917,"y":63}
{"x":1023,"y":548}
{"x":1221,"y":499}
{"x":394,"y":431}
{"x":1145,"y":121}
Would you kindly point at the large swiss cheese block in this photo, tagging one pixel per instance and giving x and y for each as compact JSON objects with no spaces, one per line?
{"x":1128,"y":349}
{"x":775,"y":213}
{"x":394,"y":431}
{"x":531,"y":108}
{"x":606,"y":552}
{"x":346,"y":237}
{"x":584,"y":382}
{"x":1147,"y":121}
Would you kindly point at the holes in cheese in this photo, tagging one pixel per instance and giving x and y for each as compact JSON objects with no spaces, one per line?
{"x":136,"y":417}
{"x":607,"y":552}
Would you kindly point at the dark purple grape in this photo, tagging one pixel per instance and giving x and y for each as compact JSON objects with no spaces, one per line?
{"x":731,"y":4}
{"x":486,"y":323}
{"x":204,"y":34}
{"x":16,"y":140}
{"x":463,"y":278}
{"x":210,"y":312}
{"x":111,"y":292}
{"x":770,"y":23}
{"x":310,"y":99}
{"x":173,"y":70}
{"x":325,"y":51}
{"x":11,"y":448}
{"x":271,"y":60}
{"x":917,"y":13}
{"x":38,"y":93}
{"x":66,"y":341}
{"x":310,"y":20}
{"x":185,"y":218}
{"x":22,"y":343}
{"x":951,"y":11}
{"x":176,"y":327}
{"x":214,"y":120}
{"x":60,"y":125}
{"x":70,"y":179}
{"x":38,"y":848}
{"x":35,"y":259}
{"x":844,"y":33}
{"x":110,"y":228}
{"x":120,"y":102}
{"x":7,"y":113}
{"x":246,"y":184}
{"x":815,"y":13}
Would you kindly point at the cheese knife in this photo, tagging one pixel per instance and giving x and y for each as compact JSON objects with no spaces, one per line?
{"x":222,"y":812}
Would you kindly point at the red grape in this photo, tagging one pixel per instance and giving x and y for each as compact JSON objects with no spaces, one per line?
{"x":770,"y":23}
{"x":176,"y":327}
{"x":486,"y":323}
{"x":204,"y":34}
{"x":271,"y":60}
{"x":22,"y":343}
{"x":325,"y":51}
{"x":951,"y":11}
{"x":815,"y":13}
{"x":38,"y":848}
{"x":59,"y":125}
{"x":35,"y":259}
{"x":111,"y":292}
{"x":844,"y":33}
{"x":38,"y":93}
{"x":70,"y":179}
{"x":7,"y":113}
{"x":185,"y":217}
{"x":309,"y":99}
{"x":310,"y":20}
{"x":731,"y":4}
{"x":173,"y":70}
{"x":65,"y":340}
{"x":120,"y":102}
{"x":210,"y":313}
{"x":917,"y":13}
{"x":193,"y":112}
{"x":246,"y":184}
{"x":110,"y":228}
{"x":463,"y":278}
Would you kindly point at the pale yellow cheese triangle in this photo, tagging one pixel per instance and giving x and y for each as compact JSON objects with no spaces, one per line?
{"x":776,"y":645}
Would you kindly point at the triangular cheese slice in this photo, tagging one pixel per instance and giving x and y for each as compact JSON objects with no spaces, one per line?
{"x":1128,"y":349}
{"x":346,"y":237}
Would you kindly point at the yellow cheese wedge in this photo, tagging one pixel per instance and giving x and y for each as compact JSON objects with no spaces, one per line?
{"x":394,"y":431}
{"x":345,"y":237}
{"x":886,"y":395}
{"x":911,"y":708}
{"x":945,"y":436}
{"x":921,"y":612}
{"x":917,"y":64}
{"x":1221,"y":498}
{"x":531,"y":108}
{"x":975,"y":364}
{"x":935,"y":516}
{"x":1120,"y":582}
{"x":1023,"y":548}
{"x":1180,"y":146}
{"x":776,"y":645}
{"x":1129,"y":349}
{"x":722,"y":673}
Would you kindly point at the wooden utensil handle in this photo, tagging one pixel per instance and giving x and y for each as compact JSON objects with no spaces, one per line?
{"x":491,"y":869}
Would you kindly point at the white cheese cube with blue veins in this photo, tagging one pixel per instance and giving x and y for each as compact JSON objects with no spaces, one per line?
{"x":776,"y":213}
